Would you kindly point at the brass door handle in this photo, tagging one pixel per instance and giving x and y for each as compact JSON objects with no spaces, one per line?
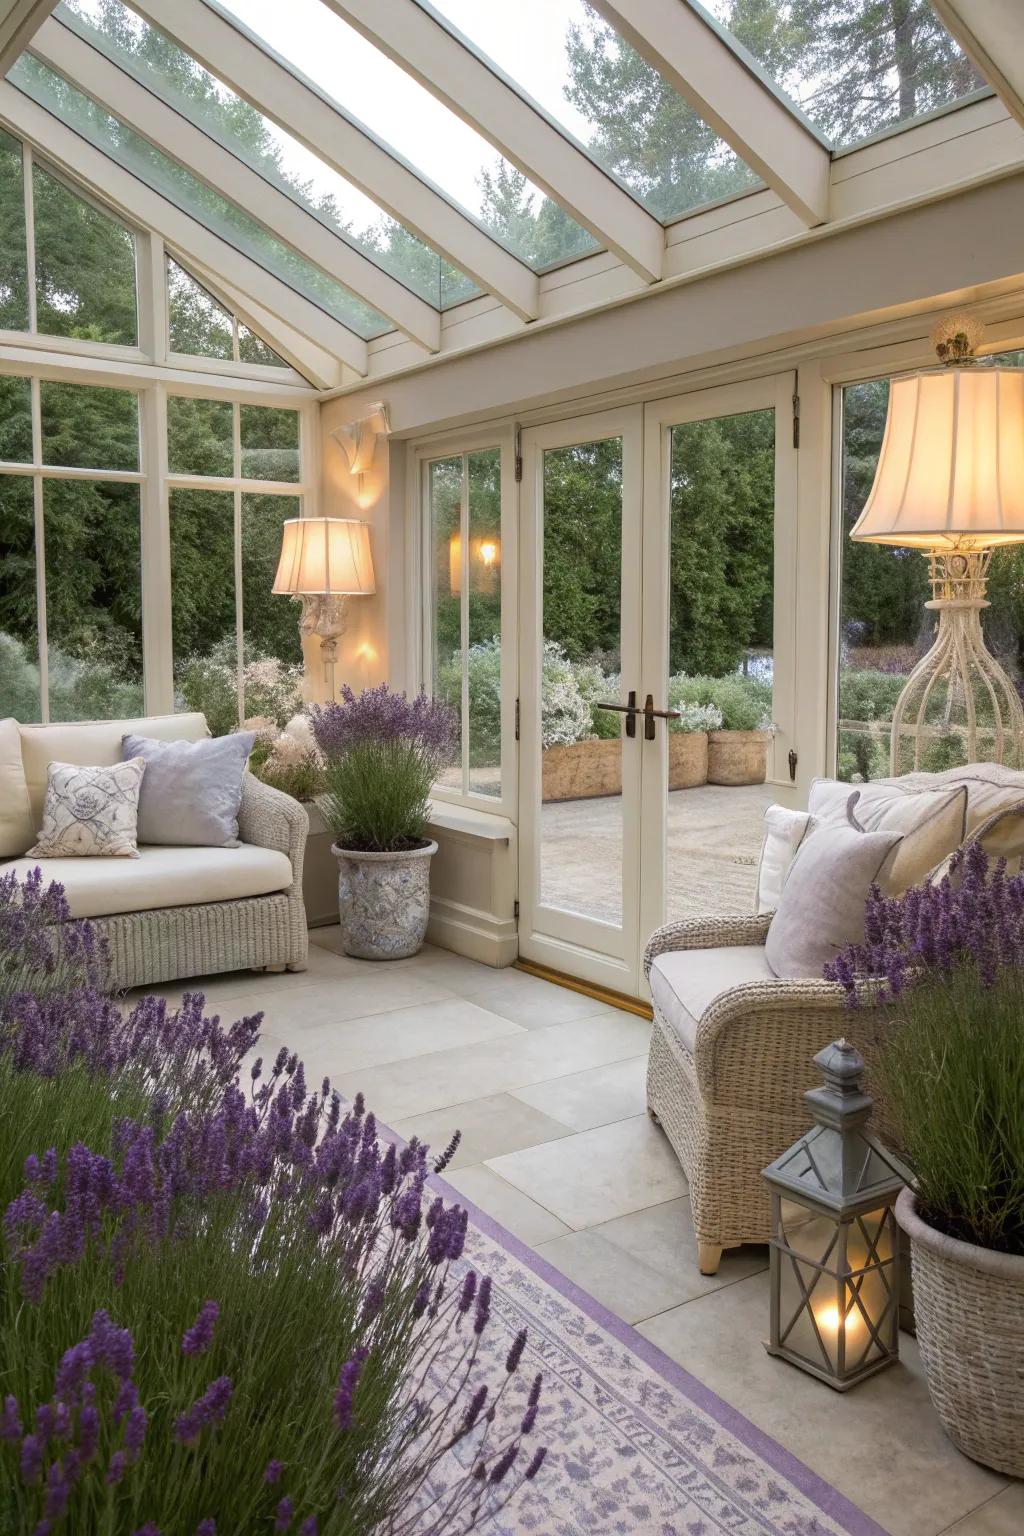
{"x":628,"y":709}
{"x":651,"y":714}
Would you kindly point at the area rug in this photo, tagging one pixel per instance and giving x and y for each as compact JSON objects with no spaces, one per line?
{"x":637,"y":1446}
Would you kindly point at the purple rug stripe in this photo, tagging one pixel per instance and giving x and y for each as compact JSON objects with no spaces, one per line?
{"x":815,"y":1488}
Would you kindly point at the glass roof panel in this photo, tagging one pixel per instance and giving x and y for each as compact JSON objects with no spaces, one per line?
{"x":184,"y":84}
{"x":854,"y":67}
{"x":404,"y":115}
{"x":595,"y":86}
{"x":193,"y":196}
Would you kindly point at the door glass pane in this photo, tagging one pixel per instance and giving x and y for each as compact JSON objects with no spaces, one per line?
{"x":444,"y":490}
{"x":581,"y":745}
{"x":19,"y":646}
{"x":885,"y":628}
{"x":85,"y":267}
{"x":483,"y":659}
{"x":203,"y":619}
{"x":93,"y":599}
{"x":89,"y":428}
{"x":720,"y":659}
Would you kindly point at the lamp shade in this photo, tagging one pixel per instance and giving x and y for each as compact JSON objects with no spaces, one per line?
{"x":951,"y":471}
{"x":327,"y":556}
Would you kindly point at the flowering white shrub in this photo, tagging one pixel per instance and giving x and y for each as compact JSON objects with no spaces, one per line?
{"x":565,"y":714}
{"x":272,"y":689}
{"x":697,"y":717}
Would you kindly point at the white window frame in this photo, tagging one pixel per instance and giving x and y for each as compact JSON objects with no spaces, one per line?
{"x":420,"y":595}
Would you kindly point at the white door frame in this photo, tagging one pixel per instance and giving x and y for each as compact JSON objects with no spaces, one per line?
{"x":596,"y":951}
{"x":660,"y":416}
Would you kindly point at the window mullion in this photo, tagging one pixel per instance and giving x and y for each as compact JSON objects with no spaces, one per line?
{"x":39,"y":533}
{"x":236,"y":435}
{"x":28,"y":192}
{"x":155,"y":539}
{"x":464,"y":618}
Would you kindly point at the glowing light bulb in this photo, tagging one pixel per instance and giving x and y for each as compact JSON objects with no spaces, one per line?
{"x":488,"y":553}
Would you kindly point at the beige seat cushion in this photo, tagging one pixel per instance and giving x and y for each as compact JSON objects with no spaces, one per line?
{"x":931,"y":828}
{"x":17,"y":829}
{"x":162,"y":877}
{"x":92,"y":744}
{"x":685,"y":982}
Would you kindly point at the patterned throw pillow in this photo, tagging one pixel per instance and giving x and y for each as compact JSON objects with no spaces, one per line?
{"x":90,"y":812}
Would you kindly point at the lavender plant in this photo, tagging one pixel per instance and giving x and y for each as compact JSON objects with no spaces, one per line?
{"x":223,"y":1310}
{"x":947,"y":963}
{"x":383,"y":755}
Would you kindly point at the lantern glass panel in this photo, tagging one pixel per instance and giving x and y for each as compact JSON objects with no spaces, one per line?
{"x":869,"y":1296}
{"x":869,"y":1239}
{"x":807,"y":1232}
{"x":809,"y":1302}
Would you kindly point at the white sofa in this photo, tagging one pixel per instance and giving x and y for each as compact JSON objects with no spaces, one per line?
{"x":174,"y":911}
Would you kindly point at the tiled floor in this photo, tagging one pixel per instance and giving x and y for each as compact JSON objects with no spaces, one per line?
{"x":548,"y":1089}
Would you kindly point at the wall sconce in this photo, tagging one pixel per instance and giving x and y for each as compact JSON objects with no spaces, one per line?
{"x":325,"y":561}
{"x":358,"y":439}
{"x":835,"y":1259}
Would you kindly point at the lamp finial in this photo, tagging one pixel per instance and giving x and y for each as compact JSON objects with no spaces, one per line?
{"x":956,"y":339}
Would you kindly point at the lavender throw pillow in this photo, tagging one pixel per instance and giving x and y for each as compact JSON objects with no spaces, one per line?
{"x":192,"y":789}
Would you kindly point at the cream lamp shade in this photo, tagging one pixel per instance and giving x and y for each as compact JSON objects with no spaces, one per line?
{"x":325,"y":556}
{"x":951,"y":470}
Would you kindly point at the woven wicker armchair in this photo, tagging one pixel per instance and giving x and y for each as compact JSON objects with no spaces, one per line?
{"x":735,"y":1102}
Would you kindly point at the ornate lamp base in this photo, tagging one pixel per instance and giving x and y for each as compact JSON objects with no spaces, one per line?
{"x":958,"y":690}
{"x":325,"y":617}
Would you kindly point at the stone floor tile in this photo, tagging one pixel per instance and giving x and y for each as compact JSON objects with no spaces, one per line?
{"x":499,"y":1123}
{"x":1001,"y":1516}
{"x":662,"y":1238}
{"x":523,"y":1217}
{"x":595,"y":1097}
{"x":532,"y":1002}
{"x":623,"y":1284}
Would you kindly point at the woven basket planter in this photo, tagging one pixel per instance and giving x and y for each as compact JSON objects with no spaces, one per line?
{"x":581,"y":770}
{"x":687,"y":759}
{"x":969,"y":1306}
{"x":737,"y":757}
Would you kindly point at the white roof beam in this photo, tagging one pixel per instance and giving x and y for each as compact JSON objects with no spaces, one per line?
{"x":137,"y":201}
{"x":19,"y":20}
{"x":224,"y":47}
{"x":687,"y":48}
{"x":121,"y":94}
{"x":991,"y":33}
{"x":478,"y":92}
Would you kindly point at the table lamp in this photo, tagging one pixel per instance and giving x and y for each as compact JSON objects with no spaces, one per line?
{"x":950,"y":482}
{"x":325,"y":561}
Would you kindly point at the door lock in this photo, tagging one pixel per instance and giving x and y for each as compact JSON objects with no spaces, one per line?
{"x":651,"y":714}
{"x":628,"y":709}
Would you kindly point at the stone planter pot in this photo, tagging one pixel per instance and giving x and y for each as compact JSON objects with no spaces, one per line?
{"x":687,"y":759}
{"x":383,"y":901}
{"x":968,"y":1304}
{"x":738,"y":757}
{"x":581,"y":770}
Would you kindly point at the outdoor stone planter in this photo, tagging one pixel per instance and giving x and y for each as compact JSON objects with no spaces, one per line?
{"x":383,"y":901}
{"x":687,"y":759}
{"x":582,"y":770}
{"x":738,"y":757}
{"x":968,"y":1305}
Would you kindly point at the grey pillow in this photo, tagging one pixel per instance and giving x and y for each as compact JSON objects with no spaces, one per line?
{"x":192,"y":789}
{"x":821,"y":908}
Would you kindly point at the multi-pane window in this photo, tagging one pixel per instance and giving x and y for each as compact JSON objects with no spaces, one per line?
{"x":71,"y":577}
{"x":463,"y":494}
{"x":200,"y":326}
{"x":234,"y":473}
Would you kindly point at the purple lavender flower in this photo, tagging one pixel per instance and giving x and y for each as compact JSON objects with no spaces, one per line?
{"x":504,"y":1463}
{"x":206,"y":1410}
{"x":308,"y":1526}
{"x":515,"y":1354}
{"x":206,"y":1527}
{"x":135,"y":1432}
{"x":285,"y":1513}
{"x":348,"y":1380}
{"x":380,"y":715}
{"x":197,"y":1339}
{"x":273,"y":1473}
{"x":483,"y":1306}
{"x":536,"y":1463}
{"x":10,"y":1422}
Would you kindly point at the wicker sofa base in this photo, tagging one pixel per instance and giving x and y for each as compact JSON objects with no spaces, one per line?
{"x":172,"y":943}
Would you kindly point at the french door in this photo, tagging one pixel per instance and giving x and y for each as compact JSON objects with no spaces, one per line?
{"x":658,"y":574}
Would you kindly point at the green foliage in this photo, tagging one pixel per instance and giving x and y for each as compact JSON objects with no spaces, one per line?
{"x":862,"y":757}
{"x":952,"y":1075}
{"x":294,"y":770}
{"x":865,"y":694}
{"x":743,"y":703}
{"x":89,"y":686}
{"x":377,"y":796}
{"x":272,"y":690}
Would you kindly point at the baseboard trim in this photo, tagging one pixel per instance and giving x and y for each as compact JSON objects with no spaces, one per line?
{"x":587,"y":988}
{"x":472,"y":932}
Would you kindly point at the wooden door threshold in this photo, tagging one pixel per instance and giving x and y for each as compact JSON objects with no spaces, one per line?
{"x":587,"y":988}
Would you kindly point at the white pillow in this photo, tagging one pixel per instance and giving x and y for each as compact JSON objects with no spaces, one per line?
{"x":784,"y":831}
{"x":90,"y":812}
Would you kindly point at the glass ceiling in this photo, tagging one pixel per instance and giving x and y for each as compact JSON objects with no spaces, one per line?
{"x":194,"y":197}
{"x":404,"y":115}
{"x":598,"y":89}
{"x":161,"y":66}
{"x":853,"y":67}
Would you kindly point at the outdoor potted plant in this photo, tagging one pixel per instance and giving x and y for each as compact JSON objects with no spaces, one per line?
{"x":950,"y":1066}
{"x":688,"y":742}
{"x":738,"y":750}
{"x":382,"y":755}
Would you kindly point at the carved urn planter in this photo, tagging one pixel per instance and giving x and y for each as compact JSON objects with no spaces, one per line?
{"x":383,"y":901}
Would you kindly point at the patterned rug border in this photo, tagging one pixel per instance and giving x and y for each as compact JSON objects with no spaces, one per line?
{"x":828,"y":1499}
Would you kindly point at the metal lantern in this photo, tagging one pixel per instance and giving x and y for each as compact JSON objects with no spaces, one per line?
{"x":835,"y":1281}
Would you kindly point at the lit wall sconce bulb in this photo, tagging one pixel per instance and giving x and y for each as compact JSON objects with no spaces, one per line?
{"x":488,"y":553}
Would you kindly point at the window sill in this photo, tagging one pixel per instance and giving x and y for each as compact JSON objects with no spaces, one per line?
{"x":467,"y":822}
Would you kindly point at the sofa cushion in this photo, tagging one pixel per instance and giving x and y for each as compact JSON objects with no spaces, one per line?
{"x":192,"y":789}
{"x":93,"y":743}
{"x":90,"y":812}
{"x":163,"y":877}
{"x":17,"y":829}
{"x":931,"y":827}
{"x":784,"y":831}
{"x":685,"y":982}
{"x":821,"y":909}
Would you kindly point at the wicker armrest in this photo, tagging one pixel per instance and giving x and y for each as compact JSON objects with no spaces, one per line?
{"x":706,"y":933}
{"x":271,"y":819}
